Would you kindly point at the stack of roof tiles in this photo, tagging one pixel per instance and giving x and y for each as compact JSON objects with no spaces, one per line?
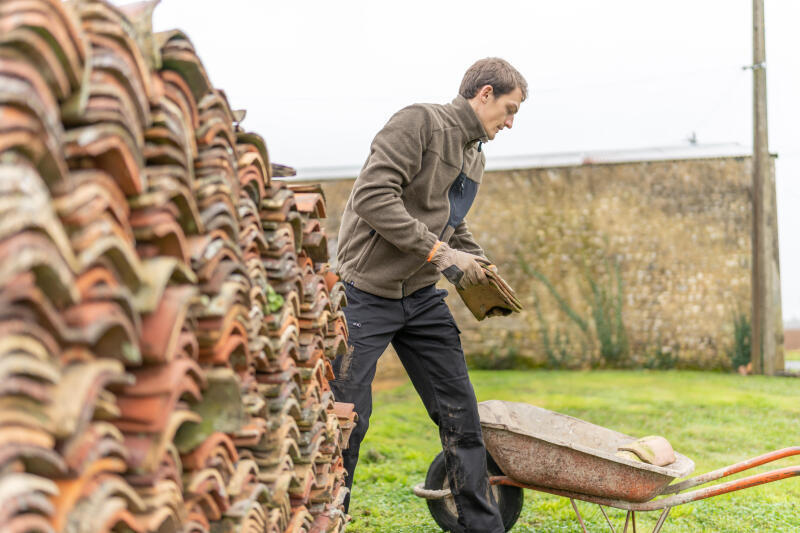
{"x":167,"y":318}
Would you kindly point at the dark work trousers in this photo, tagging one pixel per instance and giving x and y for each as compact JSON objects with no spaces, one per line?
{"x":425,"y":337}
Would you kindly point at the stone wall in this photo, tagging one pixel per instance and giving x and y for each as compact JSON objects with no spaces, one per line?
{"x":623,"y":264}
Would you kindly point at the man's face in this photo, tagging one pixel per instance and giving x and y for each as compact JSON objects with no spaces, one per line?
{"x":496,"y":112}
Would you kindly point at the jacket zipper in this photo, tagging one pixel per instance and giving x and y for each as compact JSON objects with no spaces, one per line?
{"x":449,"y":209}
{"x":460,"y":189}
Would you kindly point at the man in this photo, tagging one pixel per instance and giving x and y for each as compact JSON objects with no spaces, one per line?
{"x":403,"y":226}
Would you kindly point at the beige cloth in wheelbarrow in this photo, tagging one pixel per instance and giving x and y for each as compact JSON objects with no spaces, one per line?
{"x":652,"y":450}
{"x":495,"y":298}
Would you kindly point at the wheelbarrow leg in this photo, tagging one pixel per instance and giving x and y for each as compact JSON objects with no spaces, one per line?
{"x":607,"y":520}
{"x":662,"y":519}
{"x":630,"y":517}
{"x":580,"y":518}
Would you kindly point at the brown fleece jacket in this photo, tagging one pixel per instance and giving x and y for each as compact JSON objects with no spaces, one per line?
{"x":415,"y":188}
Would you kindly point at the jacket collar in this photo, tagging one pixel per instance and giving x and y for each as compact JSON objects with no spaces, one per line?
{"x":468,"y":122}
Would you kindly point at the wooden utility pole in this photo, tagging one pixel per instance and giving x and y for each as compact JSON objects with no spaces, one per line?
{"x":766,"y":341}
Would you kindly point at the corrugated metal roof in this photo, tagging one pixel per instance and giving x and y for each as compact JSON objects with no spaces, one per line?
{"x":562,"y":159}
{"x":663,"y":153}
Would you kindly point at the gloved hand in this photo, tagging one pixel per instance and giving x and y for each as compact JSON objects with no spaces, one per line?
{"x":462,"y":269}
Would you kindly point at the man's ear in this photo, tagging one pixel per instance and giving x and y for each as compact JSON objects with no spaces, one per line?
{"x":485,"y":92}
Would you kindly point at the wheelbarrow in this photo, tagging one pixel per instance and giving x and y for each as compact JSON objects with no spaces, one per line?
{"x":532,"y":448}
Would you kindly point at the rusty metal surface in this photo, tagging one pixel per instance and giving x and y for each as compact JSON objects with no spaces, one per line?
{"x":538,"y":447}
{"x":560,"y":455}
{"x":660,"y":503}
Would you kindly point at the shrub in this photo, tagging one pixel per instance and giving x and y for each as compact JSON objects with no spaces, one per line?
{"x":740,"y":349}
{"x":602,"y":331}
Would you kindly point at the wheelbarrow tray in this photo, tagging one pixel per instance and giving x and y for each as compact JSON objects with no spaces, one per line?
{"x":538,"y":447}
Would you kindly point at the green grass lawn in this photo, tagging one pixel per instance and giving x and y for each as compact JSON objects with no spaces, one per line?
{"x":715,"y":419}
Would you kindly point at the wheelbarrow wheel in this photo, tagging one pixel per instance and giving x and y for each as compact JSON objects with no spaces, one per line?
{"x":509,"y":499}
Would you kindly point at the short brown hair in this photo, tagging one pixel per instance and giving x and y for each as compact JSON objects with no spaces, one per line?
{"x":495,"y":72}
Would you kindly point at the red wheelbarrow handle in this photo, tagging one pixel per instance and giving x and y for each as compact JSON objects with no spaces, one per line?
{"x":730,"y":486}
{"x":679,"y":499}
{"x":732,"y":469}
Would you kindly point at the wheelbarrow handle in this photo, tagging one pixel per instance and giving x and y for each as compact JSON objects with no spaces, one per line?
{"x":663,"y":503}
{"x":724,"y":488}
{"x":732,"y":469}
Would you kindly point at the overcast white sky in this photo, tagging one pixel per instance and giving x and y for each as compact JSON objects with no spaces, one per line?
{"x":319,"y":78}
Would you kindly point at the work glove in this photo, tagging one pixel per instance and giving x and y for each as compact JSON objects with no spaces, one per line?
{"x":462,"y":269}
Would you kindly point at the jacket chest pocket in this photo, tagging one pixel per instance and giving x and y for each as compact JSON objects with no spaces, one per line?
{"x":460,"y":196}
